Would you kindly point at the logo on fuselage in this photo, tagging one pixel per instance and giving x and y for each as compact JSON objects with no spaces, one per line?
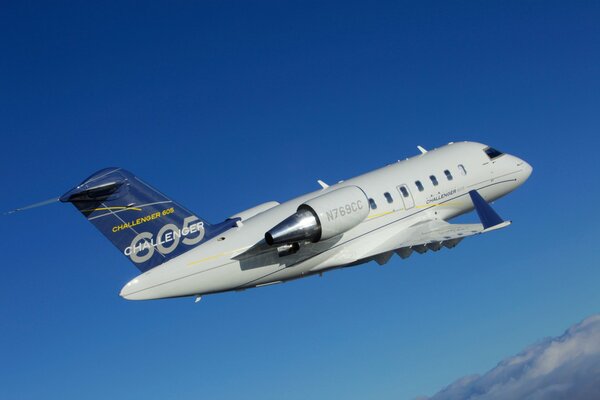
{"x":166,"y":241}
{"x":440,"y":196}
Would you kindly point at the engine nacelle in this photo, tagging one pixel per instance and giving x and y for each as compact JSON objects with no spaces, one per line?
{"x":322,"y":217}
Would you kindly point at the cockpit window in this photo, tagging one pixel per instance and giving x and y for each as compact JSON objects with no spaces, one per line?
{"x":492,"y":152}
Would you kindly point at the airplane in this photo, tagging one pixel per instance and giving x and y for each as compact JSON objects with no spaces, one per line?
{"x":399,"y":209}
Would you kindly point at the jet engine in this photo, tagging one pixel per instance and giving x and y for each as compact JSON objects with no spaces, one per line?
{"x":322,"y":217}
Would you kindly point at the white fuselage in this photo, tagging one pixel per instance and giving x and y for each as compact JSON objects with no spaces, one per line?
{"x":240,"y":259}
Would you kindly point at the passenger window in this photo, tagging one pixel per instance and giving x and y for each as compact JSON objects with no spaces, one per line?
{"x":433,"y":180}
{"x":448,"y":174}
{"x":404,"y":191}
{"x":419,"y":186}
{"x":372,"y":204}
{"x":388,"y":197}
{"x":462,"y":169}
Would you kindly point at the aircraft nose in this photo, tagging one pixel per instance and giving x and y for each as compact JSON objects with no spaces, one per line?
{"x":526,"y":169}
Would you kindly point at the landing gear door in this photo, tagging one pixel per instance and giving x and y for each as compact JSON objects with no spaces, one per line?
{"x":406,"y":196}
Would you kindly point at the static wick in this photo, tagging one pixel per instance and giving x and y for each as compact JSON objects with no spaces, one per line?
{"x":41,"y":203}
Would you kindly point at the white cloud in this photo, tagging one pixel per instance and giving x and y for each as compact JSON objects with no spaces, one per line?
{"x":566,"y":367}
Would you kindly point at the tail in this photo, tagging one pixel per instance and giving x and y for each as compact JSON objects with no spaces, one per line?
{"x":145,"y":225}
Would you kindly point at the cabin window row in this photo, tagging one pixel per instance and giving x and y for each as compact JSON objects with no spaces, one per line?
{"x":447,"y":173}
{"x":419,"y":185}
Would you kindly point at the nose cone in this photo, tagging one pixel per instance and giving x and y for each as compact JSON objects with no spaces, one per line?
{"x":527,"y":169}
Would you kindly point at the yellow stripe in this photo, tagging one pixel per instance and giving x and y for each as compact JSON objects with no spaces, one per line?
{"x":370,"y":217}
{"x":380,"y":214}
{"x":207,"y":258}
{"x":449,"y":204}
{"x":217,"y":256}
{"x":112,"y":208}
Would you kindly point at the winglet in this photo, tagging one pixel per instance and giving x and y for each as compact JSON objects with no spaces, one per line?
{"x":422,"y":149}
{"x":489,"y":218}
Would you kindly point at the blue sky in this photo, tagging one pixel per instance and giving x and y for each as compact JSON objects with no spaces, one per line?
{"x":223,"y":105}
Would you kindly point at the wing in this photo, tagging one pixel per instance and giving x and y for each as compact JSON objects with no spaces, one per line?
{"x":435,"y":234}
{"x":440,"y":232}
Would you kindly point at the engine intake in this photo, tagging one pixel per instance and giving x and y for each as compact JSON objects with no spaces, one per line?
{"x":322,"y":217}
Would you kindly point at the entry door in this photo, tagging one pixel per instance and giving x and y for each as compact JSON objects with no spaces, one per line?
{"x":406,"y":196}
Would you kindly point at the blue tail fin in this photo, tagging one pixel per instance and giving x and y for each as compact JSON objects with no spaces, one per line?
{"x":145,"y":225}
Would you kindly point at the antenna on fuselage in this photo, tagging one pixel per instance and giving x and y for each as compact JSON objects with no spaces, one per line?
{"x":322,"y":184}
{"x":422,"y":149}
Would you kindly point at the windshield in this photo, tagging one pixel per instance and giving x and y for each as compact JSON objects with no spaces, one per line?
{"x":492,"y":153}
